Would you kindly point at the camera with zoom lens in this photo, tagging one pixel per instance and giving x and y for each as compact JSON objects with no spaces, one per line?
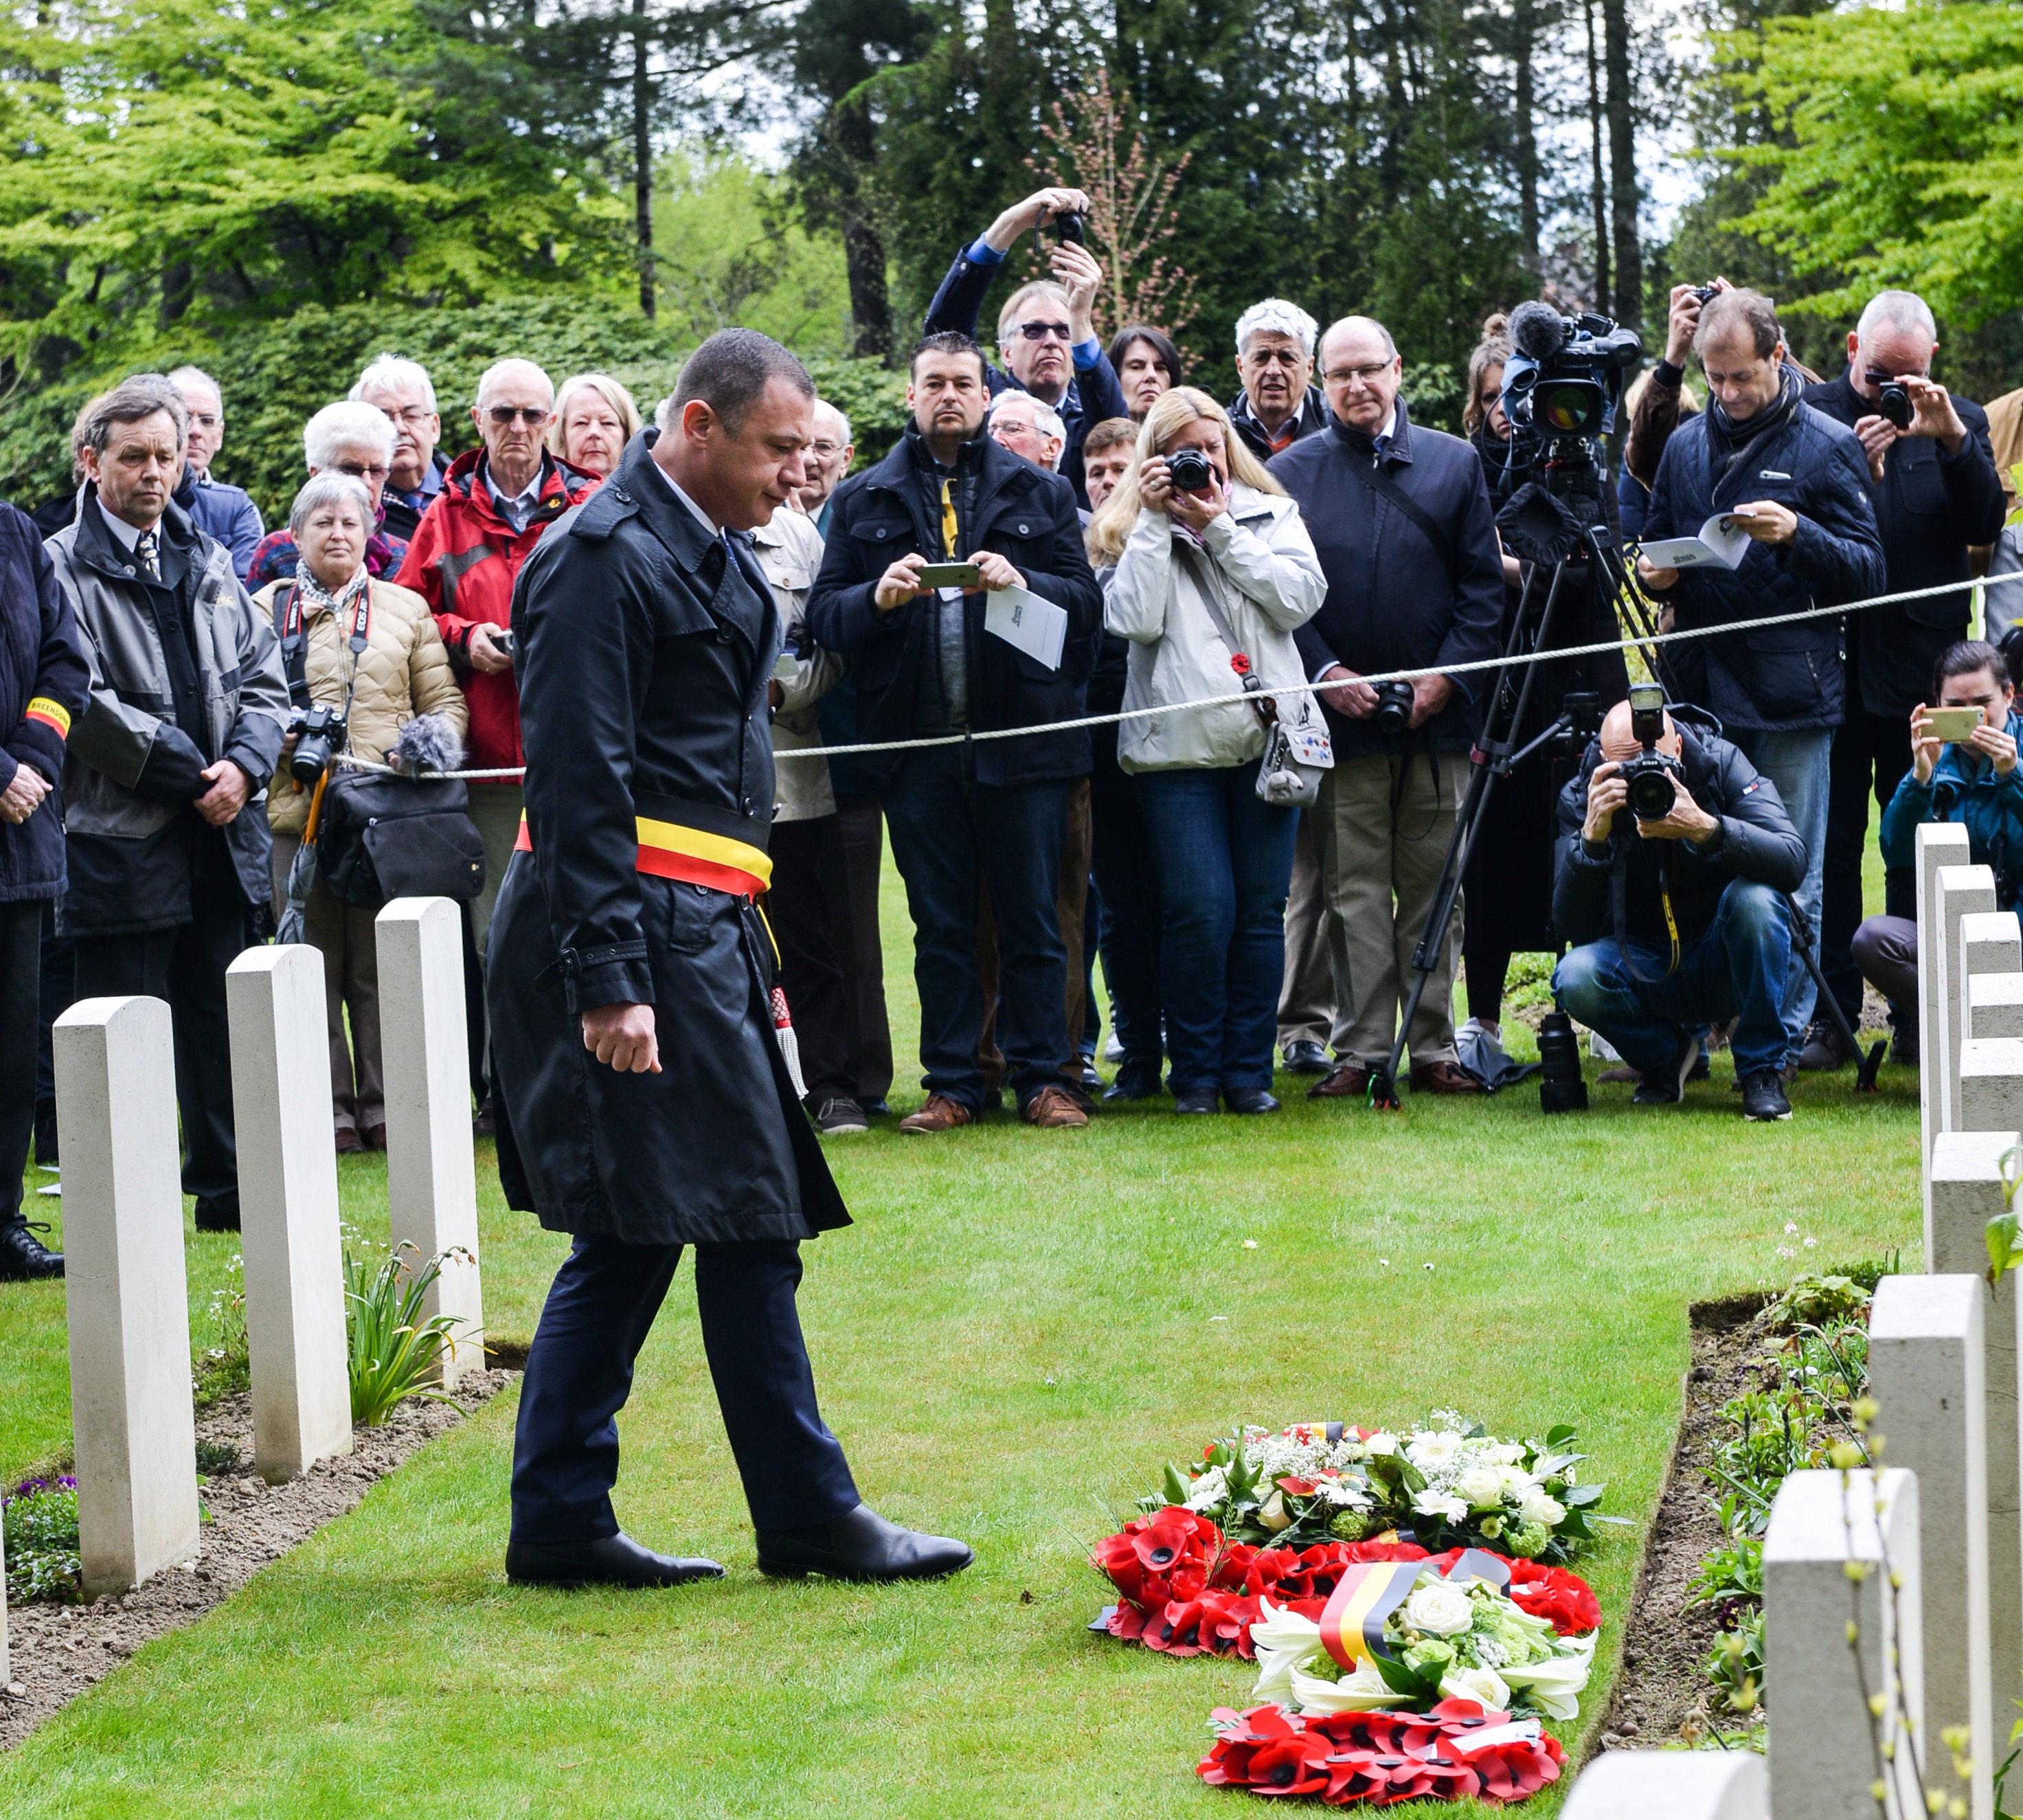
{"x":1394,"y":707}
{"x":1563,"y":379}
{"x":1652,"y":779}
{"x":1892,"y":399}
{"x":1190,"y":470}
{"x":319,"y":732}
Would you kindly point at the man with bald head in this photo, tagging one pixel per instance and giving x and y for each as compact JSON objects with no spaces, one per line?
{"x":1402,"y":522}
{"x":1678,"y":920}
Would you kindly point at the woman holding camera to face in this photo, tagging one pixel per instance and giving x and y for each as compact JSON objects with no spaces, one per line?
{"x":400,"y":675}
{"x":1208,"y":570}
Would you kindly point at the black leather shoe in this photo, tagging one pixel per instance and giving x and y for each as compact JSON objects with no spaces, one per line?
{"x":220,"y":1214}
{"x":1250,"y":1099}
{"x":1198,"y":1099}
{"x":609,"y":1561}
{"x":859,"y":1545}
{"x":1134,"y":1083}
{"x":1306,"y":1057}
{"x":24,"y":1257}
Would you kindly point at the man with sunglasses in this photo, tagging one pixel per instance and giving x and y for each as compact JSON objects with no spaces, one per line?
{"x":1046,"y":329}
{"x":496,"y":502}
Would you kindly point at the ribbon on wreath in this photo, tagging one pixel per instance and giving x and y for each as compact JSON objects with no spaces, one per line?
{"x":1352,"y":1621}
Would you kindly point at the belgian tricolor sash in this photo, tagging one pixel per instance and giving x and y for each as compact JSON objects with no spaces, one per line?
{"x":694,"y":855}
{"x":1352,"y":1622}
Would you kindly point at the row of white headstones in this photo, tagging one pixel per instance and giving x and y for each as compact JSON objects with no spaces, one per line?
{"x":1903,"y":1586}
{"x":132,"y":1411}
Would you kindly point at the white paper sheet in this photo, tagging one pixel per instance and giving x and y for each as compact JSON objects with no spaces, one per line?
{"x":1721,"y":544}
{"x":1036,"y":626}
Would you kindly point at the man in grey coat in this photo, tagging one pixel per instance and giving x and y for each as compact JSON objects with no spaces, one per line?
{"x":187,"y":707}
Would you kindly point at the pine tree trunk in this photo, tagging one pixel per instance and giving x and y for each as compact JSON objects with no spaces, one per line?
{"x":1623,"y":165}
{"x":851,"y":135}
{"x":642,"y":154}
{"x":1524,"y":34}
{"x":1597,"y":190}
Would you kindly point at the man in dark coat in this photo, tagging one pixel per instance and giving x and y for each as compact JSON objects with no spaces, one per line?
{"x":1407,"y":589}
{"x":1046,"y":333}
{"x":43,"y":679}
{"x":169,"y":852}
{"x":1937,"y":494}
{"x":926,"y":668}
{"x":1797,"y":483}
{"x":1704,"y":933}
{"x":645,"y":636}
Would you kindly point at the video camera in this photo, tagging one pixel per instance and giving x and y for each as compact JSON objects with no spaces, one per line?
{"x":1563,"y":379}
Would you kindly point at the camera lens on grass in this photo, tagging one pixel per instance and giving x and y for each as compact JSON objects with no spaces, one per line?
{"x":1560,"y":1087}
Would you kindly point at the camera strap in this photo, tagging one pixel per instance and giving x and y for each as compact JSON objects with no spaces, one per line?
{"x":1618,"y":891}
{"x":1381,"y":484}
{"x":1201,"y":566}
{"x":295,"y":646}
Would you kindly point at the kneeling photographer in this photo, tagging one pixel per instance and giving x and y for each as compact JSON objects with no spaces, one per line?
{"x":367,"y":673}
{"x":1675,"y":857}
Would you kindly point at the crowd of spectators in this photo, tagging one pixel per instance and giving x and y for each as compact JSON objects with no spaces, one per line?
{"x":1253,"y":853}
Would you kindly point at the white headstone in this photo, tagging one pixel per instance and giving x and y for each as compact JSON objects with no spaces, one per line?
{"x":431,"y":1178}
{"x":1821,"y":1764}
{"x":1994,"y":1006}
{"x":128,"y":1296}
{"x":1671,"y":1785}
{"x":1963,"y":891}
{"x":1965,"y":1192}
{"x":1939,"y":844}
{"x":1987,"y":1085}
{"x":288,"y":1202}
{"x":1926,"y":1352}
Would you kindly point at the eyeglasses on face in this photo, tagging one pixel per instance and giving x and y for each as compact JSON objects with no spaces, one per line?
{"x":408,"y":414}
{"x":824,"y":449}
{"x":533,"y":416}
{"x":1365,"y":375}
{"x":363,"y":469}
{"x":1039,"y":331}
{"x":199,"y":421}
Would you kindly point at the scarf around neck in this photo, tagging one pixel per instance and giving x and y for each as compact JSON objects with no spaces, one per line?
{"x":1732,"y":440}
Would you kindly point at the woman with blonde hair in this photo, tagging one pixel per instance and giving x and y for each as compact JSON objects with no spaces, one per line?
{"x":595,"y":418}
{"x":1207,"y":571}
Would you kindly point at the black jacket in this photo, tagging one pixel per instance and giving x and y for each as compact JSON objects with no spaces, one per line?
{"x":643,"y":649}
{"x":1093,"y":394}
{"x":1018,"y":511}
{"x":1756,"y":842}
{"x":1930,"y":506}
{"x":1313,"y":416}
{"x":1391,"y":604}
{"x":45,"y":683}
{"x":1780,"y":678}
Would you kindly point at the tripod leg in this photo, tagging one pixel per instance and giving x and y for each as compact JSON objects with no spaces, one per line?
{"x":1866,"y":1066}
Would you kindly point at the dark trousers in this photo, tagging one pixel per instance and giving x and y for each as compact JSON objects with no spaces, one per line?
{"x":1885,"y":950}
{"x":20,"y":988}
{"x":59,"y":994}
{"x":579,"y":1372}
{"x":808,"y":906}
{"x":1128,"y":878}
{"x":948,"y":831}
{"x":1867,"y":748}
{"x":861,"y":953}
{"x":1225,"y":861}
{"x":186,"y":966}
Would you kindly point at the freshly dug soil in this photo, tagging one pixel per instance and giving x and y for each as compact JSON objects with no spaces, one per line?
{"x":59,"y":1650}
{"x":1661,"y":1697}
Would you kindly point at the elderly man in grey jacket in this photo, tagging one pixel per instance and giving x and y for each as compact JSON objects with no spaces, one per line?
{"x":188,"y":708}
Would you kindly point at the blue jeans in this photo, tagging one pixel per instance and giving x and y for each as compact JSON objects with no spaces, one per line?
{"x":1735,"y":968}
{"x":1225,"y":861}
{"x":1801,"y":765}
{"x":947,"y":830}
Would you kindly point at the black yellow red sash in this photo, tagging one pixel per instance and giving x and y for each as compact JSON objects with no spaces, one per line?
{"x":1352,"y":1621}
{"x":670,"y":849}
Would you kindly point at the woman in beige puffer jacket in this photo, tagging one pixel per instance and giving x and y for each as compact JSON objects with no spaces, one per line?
{"x":403,"y":672}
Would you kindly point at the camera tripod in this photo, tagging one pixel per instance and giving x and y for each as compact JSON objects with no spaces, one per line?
{"x":1497,"y":751}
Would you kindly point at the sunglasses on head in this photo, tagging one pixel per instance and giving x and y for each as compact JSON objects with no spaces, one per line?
{"x":1039,"y":331}
{"x":533,"y":416}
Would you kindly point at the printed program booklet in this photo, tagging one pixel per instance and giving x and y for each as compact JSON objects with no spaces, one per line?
{"x":1722,"y":543}
{"x":1036,"y":626}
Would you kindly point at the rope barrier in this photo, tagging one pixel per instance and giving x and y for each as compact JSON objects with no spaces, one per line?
{"x":1308,"y":688}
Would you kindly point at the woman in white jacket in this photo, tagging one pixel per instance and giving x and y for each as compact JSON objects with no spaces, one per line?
{"x":1176,"y":563}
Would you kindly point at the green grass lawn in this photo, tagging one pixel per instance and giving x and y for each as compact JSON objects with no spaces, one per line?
{"x":1020,"y":1327}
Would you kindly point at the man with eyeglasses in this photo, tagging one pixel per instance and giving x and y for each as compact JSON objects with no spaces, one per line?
{"x":403,"y":391}
{"x":343,"y":438}
{"x":223,"y":512}
{"x":1275,"y":361}
{"x":829,"y":457}
{"x":496,"y":502}
{"x":1401,"y":520}
{"x":1046,"y":330}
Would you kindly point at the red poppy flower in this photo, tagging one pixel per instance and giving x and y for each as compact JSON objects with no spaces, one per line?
{"x":1174,"y":1629}
{"x":1554,"y":1593}
{"x":1519,"y":1770}
{"x":1240,"y":663}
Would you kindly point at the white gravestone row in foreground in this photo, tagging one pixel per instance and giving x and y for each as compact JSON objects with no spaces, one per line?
{"x":128,"y":1295}
{"x":1941,"y":1518}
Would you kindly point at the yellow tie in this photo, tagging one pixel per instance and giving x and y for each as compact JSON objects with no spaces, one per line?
{"x":948,"y":523}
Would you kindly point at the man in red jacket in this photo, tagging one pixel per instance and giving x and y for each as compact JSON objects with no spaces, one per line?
{"x":495,"y":502}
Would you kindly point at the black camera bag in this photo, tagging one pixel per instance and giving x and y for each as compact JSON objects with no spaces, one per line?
{"x":379,"y":838}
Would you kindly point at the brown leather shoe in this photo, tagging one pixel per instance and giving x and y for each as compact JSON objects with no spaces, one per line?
{"x":1349,"y":1080}
{"x":940,"y":1114}
{"x":1443,"y":1078}
{"x":1053,"y":1109}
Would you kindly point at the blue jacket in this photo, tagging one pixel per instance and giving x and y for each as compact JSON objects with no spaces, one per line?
{"x":224,"y":514}
{"x":1781,"y":677}
{"x":1093,"y":394}
{"x":45,"y":683}
{"x":1964,"y":789}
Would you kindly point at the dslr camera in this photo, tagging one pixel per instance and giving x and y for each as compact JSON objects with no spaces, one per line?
{"x":1893,"y":398}
{"x":1652,"y":779}
{"x":319,"y":732}
{"x":1563,"y":379}
{"x":1190,"y":470}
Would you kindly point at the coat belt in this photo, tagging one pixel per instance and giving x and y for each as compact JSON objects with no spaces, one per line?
{"x":669,"y":850}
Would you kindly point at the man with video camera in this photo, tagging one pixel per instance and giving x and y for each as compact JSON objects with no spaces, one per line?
{"x":1761,"y":460}
{"x":1675,"y":859}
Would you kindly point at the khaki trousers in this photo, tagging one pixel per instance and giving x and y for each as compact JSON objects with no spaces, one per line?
{"x":1306,"y":1001}
{"x":494,"y":810}
{"x":1379,"y":867}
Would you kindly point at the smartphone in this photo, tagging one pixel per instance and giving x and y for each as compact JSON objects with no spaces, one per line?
{"x":950,"y":575}
{"x":1952,"y":726}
